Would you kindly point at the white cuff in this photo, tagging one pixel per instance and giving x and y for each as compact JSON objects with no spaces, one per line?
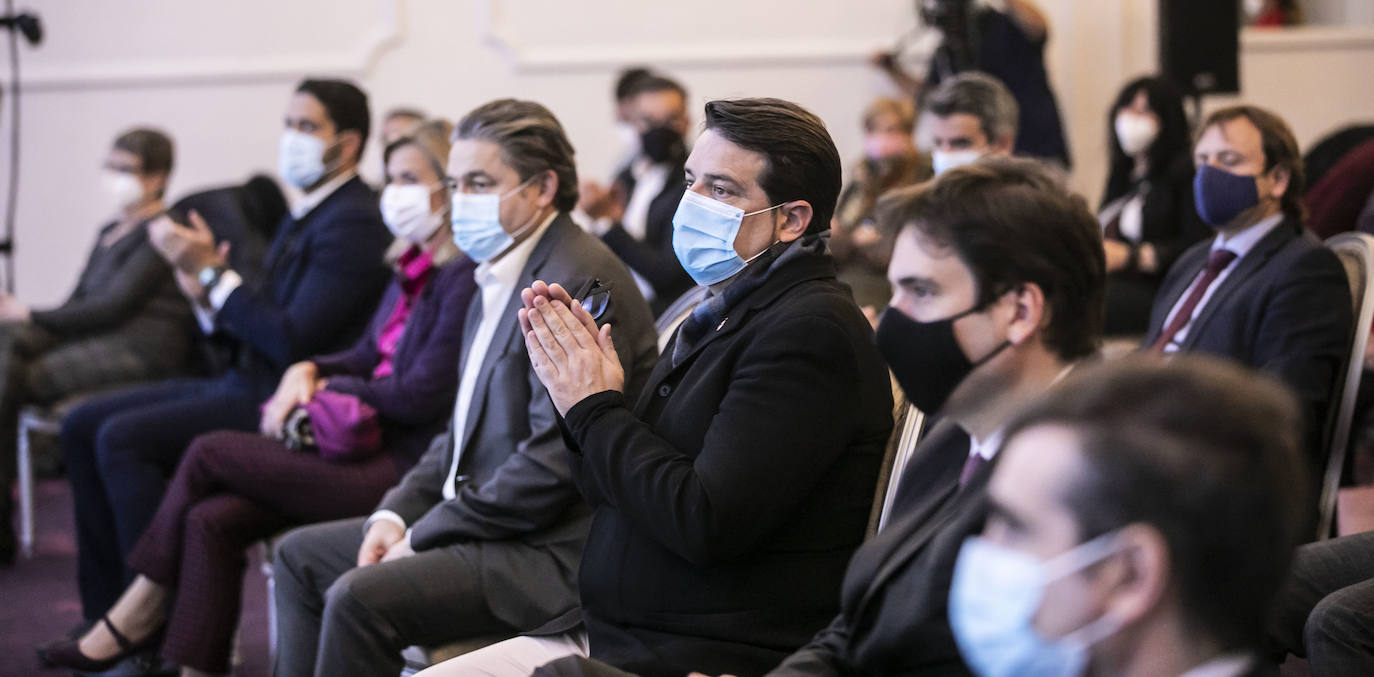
{"x":204,"y":317}
{"x":601,"y":226}
{"x":388,"y":516}
{"x":228,"y":282}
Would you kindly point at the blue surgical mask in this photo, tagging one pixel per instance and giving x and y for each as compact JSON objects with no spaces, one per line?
{"x":993,"y":600}
{"x":1221,"y":196}
{"x":300,"y":158}
{"x":476,"y":222}
{"x":704,"y":232}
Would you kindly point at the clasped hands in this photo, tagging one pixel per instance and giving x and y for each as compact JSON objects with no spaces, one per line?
{"x":572,"y":357}
{"x":188,"y":249}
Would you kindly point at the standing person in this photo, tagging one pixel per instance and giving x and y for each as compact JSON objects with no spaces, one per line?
{"x":1008,"y":44}
{"x":321,"y":280}
{"x":731,"y":493}
{"x":124,"y":322}
{"x":1147,"y":211}
{"x":484,"y":534}
{"x":235,"y":488}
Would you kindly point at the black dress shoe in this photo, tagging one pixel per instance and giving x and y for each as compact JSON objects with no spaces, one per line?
{"x":66,"y":653}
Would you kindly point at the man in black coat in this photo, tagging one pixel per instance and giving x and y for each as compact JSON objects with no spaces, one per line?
{"x":731,"y":493}
{"x":1263,"y":292}
{"x":322,"y":278}
{"x":998,"y":277}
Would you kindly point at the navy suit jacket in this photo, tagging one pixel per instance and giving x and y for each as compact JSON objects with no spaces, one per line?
{"x":653,"y":258}
{"x":320,"y":283}
{"x":1285,"y":309}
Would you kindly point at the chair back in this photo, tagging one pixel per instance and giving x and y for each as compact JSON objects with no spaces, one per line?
{"x":906,"y":434}
{"x":1356,"y":252}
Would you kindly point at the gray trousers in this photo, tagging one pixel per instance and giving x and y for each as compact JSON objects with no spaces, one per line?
{"x":1325,"y":611}
{"x":336,"y":619}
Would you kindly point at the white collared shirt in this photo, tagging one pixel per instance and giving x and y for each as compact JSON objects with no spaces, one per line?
{"x":231,"y":280}
{"x":1229,"y":665}
{"x":650,"y":179}
{"x":988,"y":448}
{"x":1240,"y":244}
{"x":496,"y":282}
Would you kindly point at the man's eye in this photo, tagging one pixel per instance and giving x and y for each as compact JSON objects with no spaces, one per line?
{"x":719,"y":191}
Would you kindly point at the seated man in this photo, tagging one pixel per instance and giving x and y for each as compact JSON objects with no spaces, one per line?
{"x":731,"y":494}
{"x":1140,"y":521}
{"x":322,"y":277}
{"x":1263,"y":292}
{"x":998,"y":277}
{"x":972,"y":115}
{"x":484,"y":534}
{"x":634,"y":217}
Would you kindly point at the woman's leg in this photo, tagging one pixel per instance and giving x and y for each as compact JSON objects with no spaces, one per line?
{"x":138,"y":614}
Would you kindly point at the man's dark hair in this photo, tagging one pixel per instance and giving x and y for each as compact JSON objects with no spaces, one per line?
{"x":153,"y":149}
{"x":982,"y":96}
{"x":531,"y":140}
{"x":1012,"y":222}
{"x":405,"y":112}
{"x":628,"y":79}
{"x":657,"y":83}
{"x":800,"y":160}
{"x":345,"y":104}
{"x":1280,"y":149}
{"x":1206,"y":453}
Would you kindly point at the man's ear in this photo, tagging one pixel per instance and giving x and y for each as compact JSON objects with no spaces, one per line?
{"x":1281,"y":176}
{"x":1031,"y":313}
{"x":796,"y":218}
{"x":351,"y":145}
{"x":548,"y":187}
{"x":1144,"y":575}
{"x":1005,"y":144}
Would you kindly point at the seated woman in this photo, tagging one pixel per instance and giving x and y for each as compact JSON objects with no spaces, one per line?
{"x":1147,"y":213}
{"x":124,"y":322}
{"x":234,"y":488}
{"x":890,"y":161}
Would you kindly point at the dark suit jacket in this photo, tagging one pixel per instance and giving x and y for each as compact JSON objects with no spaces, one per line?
{"x":654,"y":258}
{"x":729,"y":500}
{"x":514,"y":481}
{"x":320,"y":282}
{"x":416,"y":398}
{"x":1284,"y":309}
{"x":893,"y":618}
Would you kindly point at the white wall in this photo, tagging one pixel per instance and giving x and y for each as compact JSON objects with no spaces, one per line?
{"x":215,"y":75}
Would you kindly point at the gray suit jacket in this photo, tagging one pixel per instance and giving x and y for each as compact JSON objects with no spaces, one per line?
{"x":514,"y":484}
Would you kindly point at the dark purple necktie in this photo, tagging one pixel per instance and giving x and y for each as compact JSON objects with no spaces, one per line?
{"x":971,"y":467}
{"x":1216,"y":263}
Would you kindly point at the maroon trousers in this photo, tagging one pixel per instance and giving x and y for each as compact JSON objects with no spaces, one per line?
{"x":231,"y":490}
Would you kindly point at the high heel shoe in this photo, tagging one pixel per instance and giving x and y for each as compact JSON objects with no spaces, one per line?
{"x":66,"y":653}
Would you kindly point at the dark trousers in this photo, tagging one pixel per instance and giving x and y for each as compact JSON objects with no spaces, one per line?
{"x":1325,"y":611}
{"x":336,"y":619}
{"x":232,"y":489}
{"x":120,"y":449}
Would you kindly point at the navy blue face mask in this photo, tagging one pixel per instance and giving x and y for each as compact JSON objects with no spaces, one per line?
{"x":1221,"y":196}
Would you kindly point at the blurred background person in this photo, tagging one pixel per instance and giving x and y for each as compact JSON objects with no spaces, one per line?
{"x":1147,"y":211}
{"x":890,"y":161}
{"x":634,"y":216}
{"x":125,"y":321}
{"x":627,"y":137}
{"x":1007,"y":43}
{"x":397,"y":123}
{"x":971,"y":116}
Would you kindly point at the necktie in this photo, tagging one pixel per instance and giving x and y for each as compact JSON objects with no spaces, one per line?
{"x":1216,"y":263}
{"x":971,"y":466}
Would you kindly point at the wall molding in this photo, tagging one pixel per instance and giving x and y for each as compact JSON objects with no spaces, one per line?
{"x":349,"y":61}
{"x":1306,"y":38}
{"x":523,"y":57}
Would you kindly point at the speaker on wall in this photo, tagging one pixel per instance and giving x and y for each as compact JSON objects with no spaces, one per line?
{"x":1199,"y":45}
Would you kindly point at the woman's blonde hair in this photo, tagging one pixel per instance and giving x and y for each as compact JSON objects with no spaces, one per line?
{"x":431,"y":138}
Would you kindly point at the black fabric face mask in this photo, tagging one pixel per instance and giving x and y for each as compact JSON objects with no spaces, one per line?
{"x":662,"y":144}
{"x":925,"y":357}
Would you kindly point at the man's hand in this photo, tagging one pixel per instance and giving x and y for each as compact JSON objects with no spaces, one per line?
{"x":398,"y":550}
{"x":378,"y":540}
{"x":1118,"y":254}
{"x":602,"y":203}
{"x":187,"y":248}
{"x":297,"y":388}
{"x":570,"y":355}
{"x":12,"y":309}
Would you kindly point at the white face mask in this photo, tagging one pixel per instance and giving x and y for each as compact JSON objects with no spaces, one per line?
{"x":300,"y":158}
{"x":1135,"y":132}
{"x":944,"y":160}
{"x":122,"y":188}
{"x":406,"y":212}
{"x":993,"y":600}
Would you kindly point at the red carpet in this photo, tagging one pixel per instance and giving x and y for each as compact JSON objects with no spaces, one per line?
{"x":38,"y":599}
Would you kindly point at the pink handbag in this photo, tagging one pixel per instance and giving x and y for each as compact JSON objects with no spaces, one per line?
{"x":341,"y":426}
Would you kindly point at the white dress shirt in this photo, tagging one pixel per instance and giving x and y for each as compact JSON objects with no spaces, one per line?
{"x":650,"y":179}
{"x":230,"y":280}
{"x":1229,"y":665}
{"x":496,"y":282}
{"x":1241,"y":244}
